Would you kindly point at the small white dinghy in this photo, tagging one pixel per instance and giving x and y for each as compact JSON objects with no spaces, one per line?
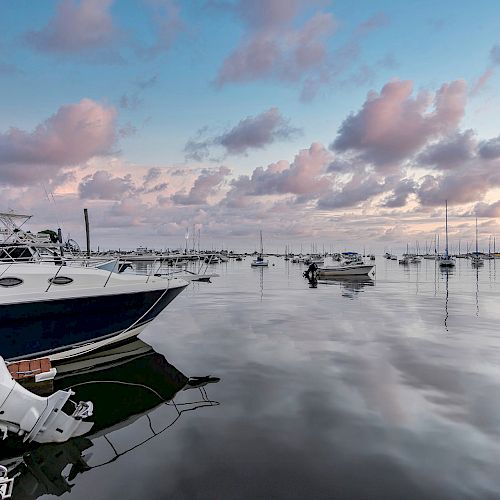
{"x":36,"y":418}
{"x":259,"y":262}
{"x":345,"y":270}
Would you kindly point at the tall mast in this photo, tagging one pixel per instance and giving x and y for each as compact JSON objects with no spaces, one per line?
{"x":476,"y":238}
{"x":261,"y":246}
{"x":446,"y":251}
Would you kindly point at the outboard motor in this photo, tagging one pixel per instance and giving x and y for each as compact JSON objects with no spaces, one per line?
{"x":6,"y":483}
{"x":310,"y":275}
{"x":311,"y":271}
{"x":36,"y":418}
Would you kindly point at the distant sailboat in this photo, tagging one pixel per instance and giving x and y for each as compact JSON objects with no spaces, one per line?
{"x":446,"y":260}
{"x":476,"y":258}
{"x":259,"y":261}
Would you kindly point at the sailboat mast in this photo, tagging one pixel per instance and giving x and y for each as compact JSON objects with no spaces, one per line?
{"x":446,"y":228}
{"x":261,"y":246}
{"x":476,"y":237}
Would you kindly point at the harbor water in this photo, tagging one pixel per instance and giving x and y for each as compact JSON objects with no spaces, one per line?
{"x":385,"y":387}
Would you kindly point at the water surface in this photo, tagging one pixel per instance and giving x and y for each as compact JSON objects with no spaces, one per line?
{"x":383,"y":388}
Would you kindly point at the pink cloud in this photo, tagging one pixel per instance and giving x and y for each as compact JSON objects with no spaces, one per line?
{"x":167,"y":24}
{"x":482,"y":81}
{"x":74,"y":134}
{"x":451,"y":152}
{"x":487,"y":210}
{"x":468,"y":185}
{"x":393,"y":125}
{"x":303,"y":177}
{"x":273,"y":47}
{"x":490,"y":149}
{"x":253,"y":132}
{"x":262,"y":14}
{"x":360,"y":188}
{"x":77,"y":26}
{"x":206,"y":185}
{"x":101,"y":185}
{"x":400,"y":194}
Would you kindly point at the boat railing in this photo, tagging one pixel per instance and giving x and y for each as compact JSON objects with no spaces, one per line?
{"x":55,"y":276}
{"x":117,"y":261}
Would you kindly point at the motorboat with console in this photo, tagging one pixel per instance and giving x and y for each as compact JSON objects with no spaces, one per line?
{"x":356,"y":269}
{"x":64,"y":311}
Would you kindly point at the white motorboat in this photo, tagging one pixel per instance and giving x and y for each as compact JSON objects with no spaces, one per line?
{"x":477,"y":260}
{"x":345,"y":270}
{"x":314,"y":259}
{"x":446,"y":261}
{"x":64,"y":311}
{"x":351,"y":258}
{"x":259,"y":262}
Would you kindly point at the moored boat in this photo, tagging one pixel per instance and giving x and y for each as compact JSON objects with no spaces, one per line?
{"x":345,"y":270}
{"x":446,"y":260}
{"x":64,"y":311}
{"x":260,"y":261}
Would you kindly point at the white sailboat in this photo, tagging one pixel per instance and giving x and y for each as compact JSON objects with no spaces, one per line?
{"x":259,"y":261}
{"x":476,"y":258}
{"x":446,"y":260}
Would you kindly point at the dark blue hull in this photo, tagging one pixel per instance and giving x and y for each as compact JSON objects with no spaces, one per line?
{"x":35,"y":329}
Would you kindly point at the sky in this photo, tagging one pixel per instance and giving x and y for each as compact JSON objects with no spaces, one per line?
{"x":340,"y":124}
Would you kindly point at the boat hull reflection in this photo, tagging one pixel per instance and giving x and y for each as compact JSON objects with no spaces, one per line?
{"x":349,"y":285}
{"x":137,"y":395}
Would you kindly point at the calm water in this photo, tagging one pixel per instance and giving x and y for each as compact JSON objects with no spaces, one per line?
{"x":387,"y":389}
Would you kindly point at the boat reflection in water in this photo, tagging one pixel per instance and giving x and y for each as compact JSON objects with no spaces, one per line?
{"x":350,"y":286}
{"x":131,"y":387}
